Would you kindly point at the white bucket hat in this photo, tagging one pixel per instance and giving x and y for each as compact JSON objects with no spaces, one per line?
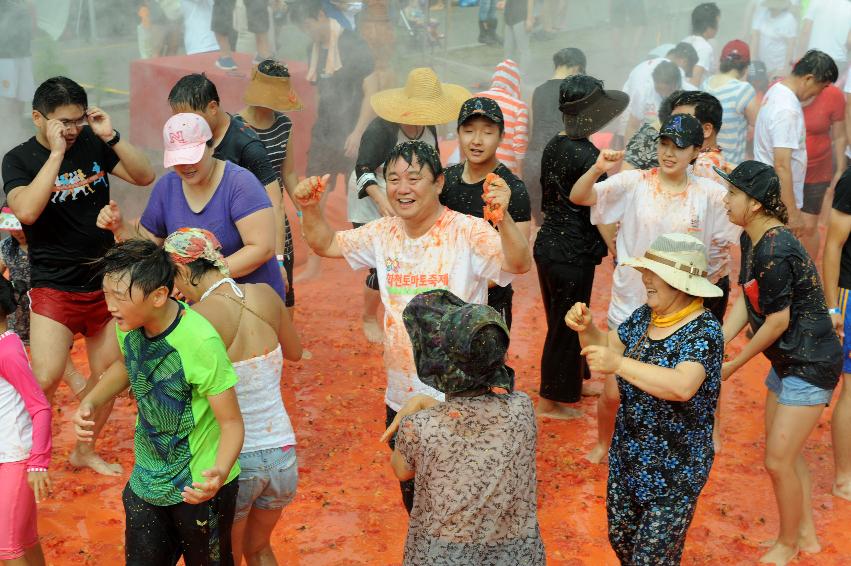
{"x":680,"y":260}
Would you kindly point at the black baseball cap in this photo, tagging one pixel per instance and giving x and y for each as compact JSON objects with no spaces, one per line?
{"x":683,"y":129}
{"x":481,"y":106}
{"x":758,"y":180}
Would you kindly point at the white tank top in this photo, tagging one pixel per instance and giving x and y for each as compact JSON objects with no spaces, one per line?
{"x":267,"y":424}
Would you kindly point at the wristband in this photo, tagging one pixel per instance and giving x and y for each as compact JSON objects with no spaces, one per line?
{"x":280,"y":259}
{"x":116,"y":137}
{"x":36,"y":469}
{"x":298,"y":213}
{"x":834,"y":310}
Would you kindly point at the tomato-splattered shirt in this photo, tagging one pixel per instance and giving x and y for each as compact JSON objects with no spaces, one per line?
{"x":460,"y":253}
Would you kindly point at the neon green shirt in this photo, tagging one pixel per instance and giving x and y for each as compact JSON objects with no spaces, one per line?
{"x":171,"y":375}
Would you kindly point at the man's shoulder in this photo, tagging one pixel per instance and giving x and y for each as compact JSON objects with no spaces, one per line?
{"x":452,"y":174}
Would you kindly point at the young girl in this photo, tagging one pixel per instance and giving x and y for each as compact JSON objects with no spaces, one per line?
{"x":258,"y":334}
{"x":25,"y":445}
{"x":784,"y":303}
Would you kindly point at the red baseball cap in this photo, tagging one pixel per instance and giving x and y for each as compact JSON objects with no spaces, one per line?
{"x":736,"y":50}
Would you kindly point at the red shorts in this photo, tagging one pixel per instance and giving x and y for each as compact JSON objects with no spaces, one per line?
{"x":83,"y":313}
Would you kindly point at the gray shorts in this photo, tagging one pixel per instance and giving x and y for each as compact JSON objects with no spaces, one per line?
{"x":267,"y":480}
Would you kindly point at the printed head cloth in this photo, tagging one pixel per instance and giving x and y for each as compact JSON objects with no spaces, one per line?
{"x":185,"y":245}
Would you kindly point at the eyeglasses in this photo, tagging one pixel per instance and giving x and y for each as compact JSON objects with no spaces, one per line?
{"x":75,"y":123}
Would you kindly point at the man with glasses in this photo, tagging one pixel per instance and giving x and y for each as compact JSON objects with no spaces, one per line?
{"x":56,"y":183}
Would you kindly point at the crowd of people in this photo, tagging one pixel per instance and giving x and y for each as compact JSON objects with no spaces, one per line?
{"x":191,"y":306}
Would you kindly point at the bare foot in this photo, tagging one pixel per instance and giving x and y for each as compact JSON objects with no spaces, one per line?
{"x":806,"y":543}
{"x":556,"y":410}
{"x":311,"y":270}
{"x":842,"y":490}
{"x":88,"y":459}
{"x":591,"y":389}
{"x":598,"y":453}
{"x":373,"y":332}
{"x":779,"y":554}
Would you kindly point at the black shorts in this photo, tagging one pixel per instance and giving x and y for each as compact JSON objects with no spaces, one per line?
{"x":256,"y":11}
{"x":201,"y":533}
{"x":814,"y":197}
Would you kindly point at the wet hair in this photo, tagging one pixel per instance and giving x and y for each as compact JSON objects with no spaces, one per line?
{"x":570,"y":57}
{"x":425,"y":154}
{"x":704,"y":17}
{"x":304,"y":9}
{"x":195,"y":91}
{"x":273,"y":68}
{"x":56,"y":92}
{"x":707,"y":108}
{"x":198,"y":268}
{"x":666,"y":107}
{"x":149,"y":266}
{"x":578,"y":87}
{"x":668,"y":74}
{"x":687,"y":52}
{"x":818,"y":64}
{"x":8,"y":302}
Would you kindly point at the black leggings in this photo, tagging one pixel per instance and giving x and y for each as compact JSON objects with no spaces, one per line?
{"x":406,"y":486}
{"x":501,"y":299}
{"x":159,"y":535}
{"x":562,"y":368}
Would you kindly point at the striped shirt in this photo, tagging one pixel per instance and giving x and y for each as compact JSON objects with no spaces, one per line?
{"x":276,"y":138}
{"x":734,"y":95}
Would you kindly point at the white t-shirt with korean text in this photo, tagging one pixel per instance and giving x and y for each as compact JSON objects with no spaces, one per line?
{"x":460,"y":253}
{"x":636,"y":200}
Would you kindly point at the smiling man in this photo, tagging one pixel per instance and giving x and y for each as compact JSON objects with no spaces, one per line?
{"x":56,"y":183}
{"x":424,"y":246}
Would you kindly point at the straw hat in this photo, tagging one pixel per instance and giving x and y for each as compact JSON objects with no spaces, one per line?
{"x":680,"y":260}
{"x":423,"y":101}
{"x":275,"y":93}
{"x":8,"y":220}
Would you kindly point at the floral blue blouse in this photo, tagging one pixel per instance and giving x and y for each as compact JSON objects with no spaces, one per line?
{"x":663,"y":449}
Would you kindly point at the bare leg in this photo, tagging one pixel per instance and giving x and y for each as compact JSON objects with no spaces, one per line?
{"x":33,"y":556}
{"x":224,"y":45}
{"x":237,"y":534}
{"x":103,"y":351}
{"x":75,"y":380}
{"x":607,"y":407}
{"x":787,"y":429}
{"x":264,"y":46}
{"x":372,"y":327}
{"x":251,"y":537}
{"x":841,"y":433}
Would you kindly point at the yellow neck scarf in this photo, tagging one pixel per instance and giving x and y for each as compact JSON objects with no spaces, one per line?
{"x":672,"y":319}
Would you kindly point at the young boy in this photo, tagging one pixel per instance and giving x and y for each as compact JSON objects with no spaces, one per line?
{"x":181,"y":497}
{"x":481,"y":130}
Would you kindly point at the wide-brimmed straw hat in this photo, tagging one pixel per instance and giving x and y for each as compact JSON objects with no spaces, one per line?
{"x":8,"y":220}
{"x":587,"y":115}
{"x":680,"y":260}
{"x":267,"y":91}
{"x":448,"y":355}
{"x":423,"y":101}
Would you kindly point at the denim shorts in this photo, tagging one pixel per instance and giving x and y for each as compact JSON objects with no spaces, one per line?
{"x":846,"y":318}
{"x":796,"y":392}
{"x":267,"y":481}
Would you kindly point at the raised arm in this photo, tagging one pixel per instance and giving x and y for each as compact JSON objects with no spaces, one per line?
{"x":133,"y":165}
{"x":317,"y":231}
{"x":27,"y":201}
{"x":582,"y":192}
